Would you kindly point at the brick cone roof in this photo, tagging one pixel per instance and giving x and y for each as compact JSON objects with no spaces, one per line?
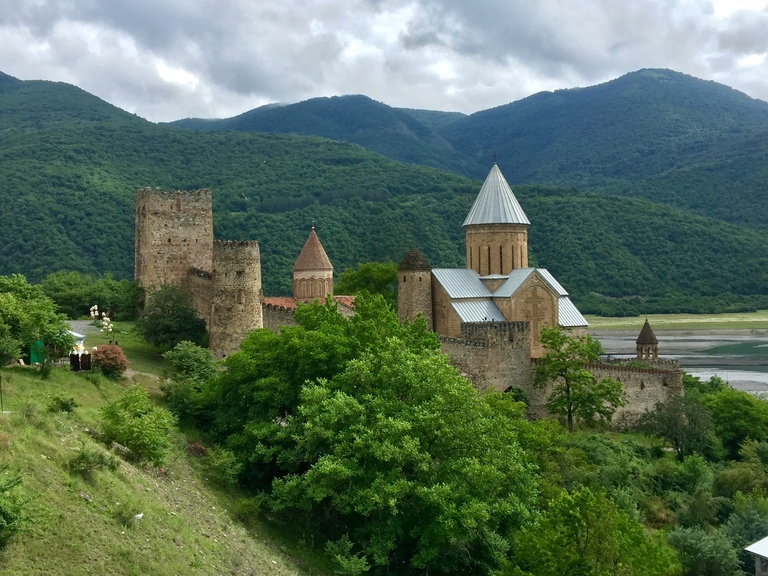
{"x":414,"y":260}
{"x":312,"y":256}
{"x":646,"y":335}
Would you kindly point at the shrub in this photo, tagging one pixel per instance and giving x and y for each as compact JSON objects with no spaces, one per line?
{"x":109,"y":358}
{"x":13,"y":500}
{"x":138,"y":424}
{"x":61,"y":404}
{"x":89,"y":459}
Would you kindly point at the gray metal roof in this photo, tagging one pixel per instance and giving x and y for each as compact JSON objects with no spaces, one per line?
{"x":478,"y":311}
{"x":760,"y":548}
{"x":549,"y":279}
{"x":513,"y":283}
{"x":461,"y":283}
{"x":568,"y":316}
{"x":496,"y":204}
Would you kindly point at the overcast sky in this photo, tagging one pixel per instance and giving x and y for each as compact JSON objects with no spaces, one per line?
{"x":171,"y":59}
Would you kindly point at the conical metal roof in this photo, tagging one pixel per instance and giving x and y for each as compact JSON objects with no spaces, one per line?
{"x":496,"y":204}
{"x":646,"y":337}
{"x":312,"y":256}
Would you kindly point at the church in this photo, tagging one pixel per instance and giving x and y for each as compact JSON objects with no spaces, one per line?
{"x":497,"y":284}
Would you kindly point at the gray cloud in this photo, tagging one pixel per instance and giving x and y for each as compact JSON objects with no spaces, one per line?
{"x":166,"y":59}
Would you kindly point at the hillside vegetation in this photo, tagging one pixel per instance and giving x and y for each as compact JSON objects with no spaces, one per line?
{"x":71,"y":164}
{"x":83,"y":524}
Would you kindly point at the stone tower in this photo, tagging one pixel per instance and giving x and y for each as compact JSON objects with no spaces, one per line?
{"x":312,"y":272}
{"x":236,"y":305}
{"x":414,"y":287}
{"x":174,"y":232}
{"x":496,"y":229}
{"x":647,"y":344}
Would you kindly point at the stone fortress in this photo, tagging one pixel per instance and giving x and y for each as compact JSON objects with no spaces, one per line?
{"x":488,"y":315}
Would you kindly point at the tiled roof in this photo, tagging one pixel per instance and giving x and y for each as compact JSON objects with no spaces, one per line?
{"x":496,"y":204}
{"x":646,"y":337}
{"x":461,"y":283}
{"x":312,"y":256}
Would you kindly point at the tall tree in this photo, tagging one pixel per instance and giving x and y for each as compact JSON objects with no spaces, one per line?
{"x":575,"y":391}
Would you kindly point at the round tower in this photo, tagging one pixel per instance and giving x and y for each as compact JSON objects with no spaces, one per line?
{"x":414,"y":287}
{"x":237,"y":296}
{"x":496,"y":229}
{"x":312,"y":272}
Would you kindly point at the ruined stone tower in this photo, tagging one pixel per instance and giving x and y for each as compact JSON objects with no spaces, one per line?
{"x":414,"y":287}
{"x":174,"y":232}
{"x":313,"y":271}
{"x":496,"y":229}
{"x":236,"y":303}
{"x":174,"y":245}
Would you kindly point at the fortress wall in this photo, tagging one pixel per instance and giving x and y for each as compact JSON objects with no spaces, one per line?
{"x":276,"y":317}
{"x":199,"y":288}
{"x":174,"y":232}
{"x":237,"y":296}
{"x":643,"y":388}
{"x":492,"y":355}
{"x":414,"y":295}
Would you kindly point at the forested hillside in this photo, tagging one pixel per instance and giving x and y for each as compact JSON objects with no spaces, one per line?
{"x":403,"y":135}
{"x":71,"y":164}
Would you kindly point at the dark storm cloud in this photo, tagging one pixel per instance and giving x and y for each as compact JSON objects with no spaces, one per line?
{"x":167,"y":59}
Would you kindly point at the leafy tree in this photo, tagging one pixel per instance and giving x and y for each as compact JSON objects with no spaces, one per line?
{"x":134,"y":421}
{"x":375,"y":277}
{"x":585,"y":534}
{"x":359,"y":428}
{"x":184,"y":392}
{"x":704,"y":554}
{"x":74,"y":294}
{"x":685,"y":423}
{"x":737,"y":416}
{"x":575,"y":390}
{"x":169,"y":319}
{"x":403,"y":456}
{"x":27,"y":315}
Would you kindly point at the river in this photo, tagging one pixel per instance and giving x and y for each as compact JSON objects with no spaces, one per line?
{"x":738,"y":356}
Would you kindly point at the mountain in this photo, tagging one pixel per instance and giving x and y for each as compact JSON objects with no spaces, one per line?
{"x":70,"y":179}
{"x":655,"y":134}
{"x":403,"y":135}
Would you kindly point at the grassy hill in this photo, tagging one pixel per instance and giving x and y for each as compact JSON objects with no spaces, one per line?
{"x":85,"y":524}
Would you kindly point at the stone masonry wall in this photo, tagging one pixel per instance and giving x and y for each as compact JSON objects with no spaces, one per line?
{"x":237,"y":296}
{"x":199,"y":287}
{"x":414,"y":295}
{"x":174,"y":232}
{"x":492,"y":355}
{"x":275,"y":317}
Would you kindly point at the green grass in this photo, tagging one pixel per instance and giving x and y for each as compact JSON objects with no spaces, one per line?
{"x":734,"y":321}
{"x":143,"y":357}
{"x":83,"y":526}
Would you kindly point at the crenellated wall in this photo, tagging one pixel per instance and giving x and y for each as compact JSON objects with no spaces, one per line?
{"x":275,"y":317}
{"x":492,"y":355}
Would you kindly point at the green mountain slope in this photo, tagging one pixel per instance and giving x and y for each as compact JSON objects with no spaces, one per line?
{"x":403,"y":135}
{"x":70,"y":187}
